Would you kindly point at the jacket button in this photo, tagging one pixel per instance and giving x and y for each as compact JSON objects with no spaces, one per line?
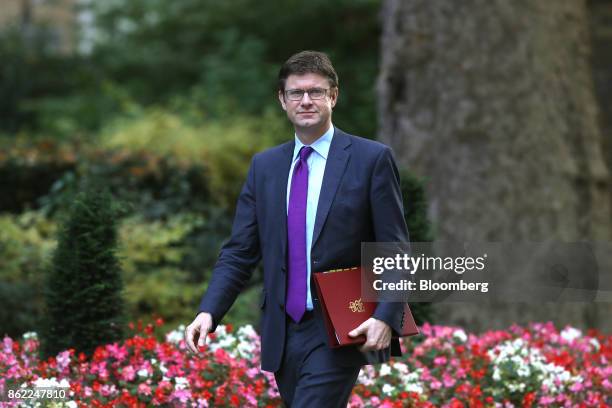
{"x":284,"y":269}
{"x":281,"y":306}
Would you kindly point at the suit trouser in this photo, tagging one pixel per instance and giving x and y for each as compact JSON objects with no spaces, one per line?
{"x":308,"y":375}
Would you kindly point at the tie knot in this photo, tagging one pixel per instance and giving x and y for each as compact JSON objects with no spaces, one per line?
{"x":305,"y":152}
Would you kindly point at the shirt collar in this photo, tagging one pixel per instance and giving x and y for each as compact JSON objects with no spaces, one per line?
{"x":321,"y":145}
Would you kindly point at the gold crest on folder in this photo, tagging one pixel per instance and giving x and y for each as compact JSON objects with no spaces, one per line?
{"x":356,"y":306}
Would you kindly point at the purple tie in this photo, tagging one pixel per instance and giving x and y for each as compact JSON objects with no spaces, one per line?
{"x":296,"y":236}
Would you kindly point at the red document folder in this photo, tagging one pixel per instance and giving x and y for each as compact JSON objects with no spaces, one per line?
{"x":343,"y":310}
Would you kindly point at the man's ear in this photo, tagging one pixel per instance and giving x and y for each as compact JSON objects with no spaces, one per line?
{"x":281,"y":98}
{"x":334,"y":96}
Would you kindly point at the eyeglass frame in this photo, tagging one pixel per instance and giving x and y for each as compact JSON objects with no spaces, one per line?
{"x":307,"y":91}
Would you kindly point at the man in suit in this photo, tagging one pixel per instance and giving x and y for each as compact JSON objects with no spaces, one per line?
{"x":306,"y":207}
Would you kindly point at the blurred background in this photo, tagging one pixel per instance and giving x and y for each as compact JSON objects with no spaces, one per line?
{"x":501,"y":111}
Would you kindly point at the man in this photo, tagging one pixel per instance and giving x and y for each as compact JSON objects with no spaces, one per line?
{"x":306,"y":207}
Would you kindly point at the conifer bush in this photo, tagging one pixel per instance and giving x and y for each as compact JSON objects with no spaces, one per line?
{"x":419,"y":228}
{"x":83,"y":286}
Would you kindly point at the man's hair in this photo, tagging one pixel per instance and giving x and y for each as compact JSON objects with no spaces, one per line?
{"x":308,"y":62}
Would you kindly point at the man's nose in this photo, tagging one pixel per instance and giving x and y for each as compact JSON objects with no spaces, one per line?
{"x":306,"y":99}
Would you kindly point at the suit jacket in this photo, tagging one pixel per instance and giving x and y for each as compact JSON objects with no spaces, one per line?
{"x":360,"y":201}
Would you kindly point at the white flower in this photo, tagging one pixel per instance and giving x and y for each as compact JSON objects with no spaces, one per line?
{"x":30,"y":335}
{"x":175,"y":336}
{"x":143,"y":372}
{"x":570,"y":334}
{"x":72,"y":404}
{"x":401,"y":367}
{"x":414,"y":388}
{"x":388,"y":389}
{"x":460,"y":335}
{"x":247,"y":331}
{"x":412,"y":381}
{"x":220,"y":330}
{"x":385,"y":369}
{"x":245,"y":350}
{"x":514,"y":358}
{"x":523,"y":371}
{"x":595,"y":344}
{"x":49,"y":383}
{"x":365,"y":376}
{"x":181,"y":383}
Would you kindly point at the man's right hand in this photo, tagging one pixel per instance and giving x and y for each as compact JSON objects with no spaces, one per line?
{"x":196,"y":332}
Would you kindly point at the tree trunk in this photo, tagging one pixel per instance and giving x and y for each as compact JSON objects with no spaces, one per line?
{"x":493,"y":103}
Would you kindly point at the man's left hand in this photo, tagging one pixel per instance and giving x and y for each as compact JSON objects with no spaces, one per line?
{"x":377,"y":332}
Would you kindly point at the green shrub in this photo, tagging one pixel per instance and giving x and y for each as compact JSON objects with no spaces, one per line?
{"x":20,"y":308}
{"x":84,"y":305}
{"x":26,"y":242}
{"x":419,"y":228}
{"x":223,"y":148}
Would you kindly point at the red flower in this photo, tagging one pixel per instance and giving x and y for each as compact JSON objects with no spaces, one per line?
{"x":455,"y":403}
{"x":528,"y":400}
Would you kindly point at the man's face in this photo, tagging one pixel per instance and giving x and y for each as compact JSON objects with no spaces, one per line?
{"x":307,"y":114}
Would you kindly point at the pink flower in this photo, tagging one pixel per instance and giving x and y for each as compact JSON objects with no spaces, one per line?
{"x":118,"y":352}
{"x":108,"y":389}
{"x":128,"y":373}
{"x":7,"y":342}
{"x":440,"y":360}
{"x":144,"y":389}
{"x":356,"y":401}
{"x":545,"y":400}
{"x":447,"y":380}
{"x":63,"y":360}
{"x":181,"y":395}
{"x":576,"y":387}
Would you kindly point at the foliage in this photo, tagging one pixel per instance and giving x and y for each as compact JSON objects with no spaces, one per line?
{"x":415,"y":207}
{"x":83,"y":298}
{"x":223,"y":147}
{"x":20,"y":307}
{"x":44,"y":90}
{"x":157,"y":273}
{"x":152,"y":252}
{"x":26,"y":242}
{"x":221,"y":56}
{"x":28,"y":168}
{"x":165,"y":263}
{"x":419,"y":229}
{"x":443,"y":367}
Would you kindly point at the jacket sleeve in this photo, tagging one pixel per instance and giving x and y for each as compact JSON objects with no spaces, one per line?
{"x":238,"y":257}
{"x":388,"y":222}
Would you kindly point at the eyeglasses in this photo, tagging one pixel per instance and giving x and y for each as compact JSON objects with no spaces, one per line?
{"x":298,"y":94}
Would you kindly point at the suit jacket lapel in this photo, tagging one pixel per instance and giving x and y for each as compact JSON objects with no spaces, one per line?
{"x":337,"y":160}
{"x":282,"y":175}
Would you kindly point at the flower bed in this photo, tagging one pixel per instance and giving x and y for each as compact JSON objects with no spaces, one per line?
{"x":534,"y":366}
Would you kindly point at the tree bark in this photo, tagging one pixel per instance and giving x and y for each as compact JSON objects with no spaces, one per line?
{"x":493,"y":103}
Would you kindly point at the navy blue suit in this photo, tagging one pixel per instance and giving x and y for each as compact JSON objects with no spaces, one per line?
{"x":360,"y":201}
